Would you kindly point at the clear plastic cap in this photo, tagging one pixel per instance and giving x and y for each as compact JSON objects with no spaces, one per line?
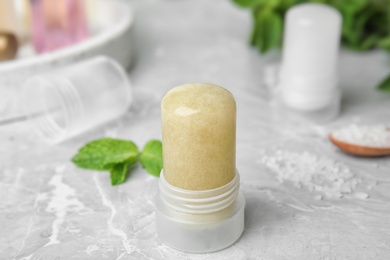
{"x":69,"y":101}
{"x":200,"y":221}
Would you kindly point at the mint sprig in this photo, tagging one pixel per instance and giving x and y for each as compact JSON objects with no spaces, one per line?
{"x":104,"y":153}
{"x":385,"y":84}
{"x":151,"y":157}
{"x":118,"y":156}
{"x":118,"y":173}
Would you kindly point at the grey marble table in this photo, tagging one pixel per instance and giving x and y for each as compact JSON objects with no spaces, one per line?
{"x":49,"y":209}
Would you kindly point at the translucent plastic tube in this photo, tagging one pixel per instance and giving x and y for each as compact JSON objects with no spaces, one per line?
{"x":69,"y":101}
{"x":200,"y":221}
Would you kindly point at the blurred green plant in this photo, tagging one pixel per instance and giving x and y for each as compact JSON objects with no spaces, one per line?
{"x":366,"y":24}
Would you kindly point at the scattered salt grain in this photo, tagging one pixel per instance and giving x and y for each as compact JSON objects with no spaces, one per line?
{"x":371,"y":185}
{"x":318,"y":174}
{"x":361,"y":195}
{"x":371,"y":136}
{"x":60,"y":168}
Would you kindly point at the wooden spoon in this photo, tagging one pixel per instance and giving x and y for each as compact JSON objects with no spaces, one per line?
{"x":8,"y":46}
{"x":360,"y":150}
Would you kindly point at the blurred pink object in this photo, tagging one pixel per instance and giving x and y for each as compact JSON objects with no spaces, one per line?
{"x":57,"y":23}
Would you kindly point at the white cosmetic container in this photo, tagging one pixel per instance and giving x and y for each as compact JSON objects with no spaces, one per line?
{"x":308,"y":80}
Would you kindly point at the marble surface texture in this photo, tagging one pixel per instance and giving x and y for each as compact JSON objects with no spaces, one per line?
{"x":49,"y":209}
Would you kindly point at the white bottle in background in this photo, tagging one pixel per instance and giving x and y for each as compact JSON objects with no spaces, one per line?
{"x":308,"y":75}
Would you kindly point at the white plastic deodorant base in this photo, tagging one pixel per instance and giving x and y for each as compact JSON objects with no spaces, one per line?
{"x":317,"y":110}
{"x":308,"y":79}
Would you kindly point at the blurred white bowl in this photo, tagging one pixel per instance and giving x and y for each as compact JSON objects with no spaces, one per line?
{"x":111,"y":27}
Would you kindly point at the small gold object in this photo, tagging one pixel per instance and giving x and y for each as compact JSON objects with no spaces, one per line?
{"x":8,"y":46}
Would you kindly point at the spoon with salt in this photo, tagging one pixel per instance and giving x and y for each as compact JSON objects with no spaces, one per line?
{"x":366,"y":141}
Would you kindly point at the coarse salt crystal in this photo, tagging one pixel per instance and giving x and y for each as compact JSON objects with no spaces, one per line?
{"x":370,"y":136}
{"x":361,"y":195}
{"x":318,"y":174}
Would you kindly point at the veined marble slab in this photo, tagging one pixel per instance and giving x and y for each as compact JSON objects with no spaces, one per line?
{"x":49,"y":209}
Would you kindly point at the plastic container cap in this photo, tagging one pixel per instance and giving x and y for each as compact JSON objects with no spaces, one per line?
{"x":66,"y":102}
{"x":308,"y":76}
{"x":200,"y":221}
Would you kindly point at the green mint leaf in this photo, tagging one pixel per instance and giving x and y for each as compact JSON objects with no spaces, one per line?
{"x":249,"y":3}
{"x":254,"y":32}
{"x":352,"y":6}
{"x":286,"y":4}
{"x":151,"y":157}
{"x":370,"y":42}
{"x":118,"y":173}
{"x":385,"y":84}
{"x":104,"y":153}
{"x":349,"y":34}
{"x":270,"y":28}
{"x":385,"y":43}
